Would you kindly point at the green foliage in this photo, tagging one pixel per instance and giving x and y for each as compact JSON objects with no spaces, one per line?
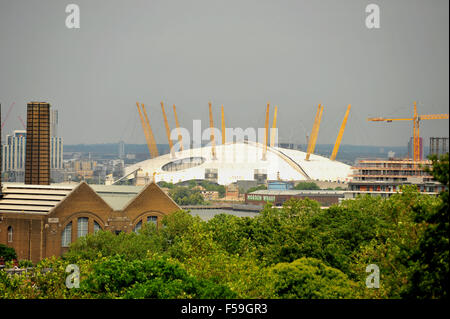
{"x":24,"y":263}
{"x":306,"y":186}
{"x":429,"y":277}
{"x":394,"y":244}
{"x":8,"y":253}
{"x":186,"y":196}
{"x":309,"y":278}
{"x":256,"y":188}
{"x":149,"y":278}
{"x":297,"y":251}
{"x":105,"y":243}
{"x":166,"y":184}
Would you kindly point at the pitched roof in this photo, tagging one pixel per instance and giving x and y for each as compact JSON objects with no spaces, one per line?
{"x":117,"y":196}
{"x":33,"y":199}
{"x":41,"y":199}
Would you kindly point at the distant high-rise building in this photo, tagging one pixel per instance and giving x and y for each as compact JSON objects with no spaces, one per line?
{"x":37,"y":155}
{"x":53,"y":123}
{"x":121,"y":149}
{"x":13,"y":152}
{"x":438,"y":145}
{"x":411,"y":148}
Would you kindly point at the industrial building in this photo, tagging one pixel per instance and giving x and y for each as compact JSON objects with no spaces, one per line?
{"x":279,"y":197}
{"x":40,"y":220}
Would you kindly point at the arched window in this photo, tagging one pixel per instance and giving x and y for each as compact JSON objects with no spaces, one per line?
{"x":10,"y":234}
{"x":82,"y":226}
{"x":138,"y":226}
{"x":96,"y":227}
{"x":149,"y":219}
{"x":66,"y":237}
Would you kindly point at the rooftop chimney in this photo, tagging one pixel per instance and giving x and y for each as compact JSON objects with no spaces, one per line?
{"x":37,"y":155}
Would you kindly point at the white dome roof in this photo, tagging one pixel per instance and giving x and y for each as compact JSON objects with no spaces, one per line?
{"x":240,"y":161}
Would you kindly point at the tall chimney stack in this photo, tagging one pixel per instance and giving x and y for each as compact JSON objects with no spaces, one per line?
{"x":37,"y":155}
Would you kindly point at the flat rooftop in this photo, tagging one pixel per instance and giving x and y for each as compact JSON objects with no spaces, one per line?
{"x":293,"y":192}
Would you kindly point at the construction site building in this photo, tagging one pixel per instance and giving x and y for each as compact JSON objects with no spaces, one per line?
{"x":384,"y":177}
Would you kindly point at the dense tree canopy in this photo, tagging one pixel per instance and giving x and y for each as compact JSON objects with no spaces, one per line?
{"x":298,"y":251}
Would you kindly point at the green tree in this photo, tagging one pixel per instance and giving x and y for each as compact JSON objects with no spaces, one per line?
{"x":309,"y":278}
{"x":429,"y":277}
{"x":306,"y":186}
{"x":256,"y":188}
{"x":394,"y":244}
{"x":185,"y":196}
{"x":8,"y":253}
{"x":159,"y":278}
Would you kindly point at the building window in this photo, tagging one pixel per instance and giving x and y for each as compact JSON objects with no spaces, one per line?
{"x":82,"y":226}
{"x":137,"y":227}
{"x":66,"y":237}
{"x":10,"y":234}
{"x":152,"y":219}
{"x":96,"y":227}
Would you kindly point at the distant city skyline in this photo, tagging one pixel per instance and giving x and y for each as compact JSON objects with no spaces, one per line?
{"x":242,"y":54}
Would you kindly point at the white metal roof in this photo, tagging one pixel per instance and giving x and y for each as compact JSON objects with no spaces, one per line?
{"x":238,"y":161}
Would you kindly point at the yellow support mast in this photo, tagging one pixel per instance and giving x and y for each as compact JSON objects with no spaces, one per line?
{"x":211,"y":125}
{"x":223,"y":127}
{"x":266,"y":135}
{"x":339,"y":137}
{"x":314,"y":132}
{"x":274,"y":125}
{"x":147,"y":138}
{"x":180,"y":138}
{"x":166,"y":123}
{"x":308,"y":149}
{"x":150,"y":133}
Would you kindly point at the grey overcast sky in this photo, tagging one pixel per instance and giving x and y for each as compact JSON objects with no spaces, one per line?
{"x":242,"y":54}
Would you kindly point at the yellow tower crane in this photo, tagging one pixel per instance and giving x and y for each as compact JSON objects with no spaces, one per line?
{"x":416,"y":120}
{"x":166,"y":123}
{"x":180,"y":138}
{"x":314,"y":132}
{"x":339,"y":137}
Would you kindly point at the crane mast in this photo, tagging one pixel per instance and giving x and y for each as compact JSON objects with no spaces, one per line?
{"x":416,"y":126}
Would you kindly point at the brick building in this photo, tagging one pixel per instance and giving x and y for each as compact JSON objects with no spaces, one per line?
{"x":277,"y":197}
{"x":40,"y":221}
